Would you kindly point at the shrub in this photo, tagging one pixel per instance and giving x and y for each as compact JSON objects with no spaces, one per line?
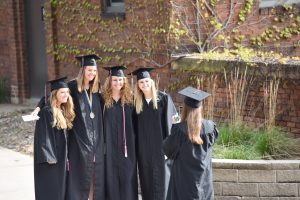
{"x":275,"y":144}
{"x":241,"y":142}
{"x":231,"y":135}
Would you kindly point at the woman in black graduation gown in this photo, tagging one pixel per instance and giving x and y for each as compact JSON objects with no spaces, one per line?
{"x":86,"y":143}
{"x":190,"y":145}
{"x":121,"y":169}
{"x":50,"y":144}
{"x":154,"y":111}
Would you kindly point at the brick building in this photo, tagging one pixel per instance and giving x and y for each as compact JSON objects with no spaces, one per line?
{"x":38,"y":40}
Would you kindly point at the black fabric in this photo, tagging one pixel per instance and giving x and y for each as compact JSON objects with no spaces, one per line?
{"x":192,"y":102}
{"x":50,"y":145}
{"x":193,"y":96}
{"x":58,"y":83}
{"x":42,"y":102}
{"x":142,"y":72}
{"x":191,"y":174}
{"x":85,"y":141}
{"x":121,"y":171}
{"x":88,"y":60}
{"x":116,"y":71}
{"x":153,"y":125}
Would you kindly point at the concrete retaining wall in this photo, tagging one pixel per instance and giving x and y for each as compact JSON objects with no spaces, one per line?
{"x":256,"y":179}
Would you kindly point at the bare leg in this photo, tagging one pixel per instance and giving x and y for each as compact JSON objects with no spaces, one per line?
{"x":91,"y":194}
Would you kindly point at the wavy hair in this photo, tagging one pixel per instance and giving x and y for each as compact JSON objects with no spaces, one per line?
{"x":62,"y":117}
{"x":94,"y":84}
{"x":138,"y":97}
{"x":126,"y":94}
{"x":193,"y":118}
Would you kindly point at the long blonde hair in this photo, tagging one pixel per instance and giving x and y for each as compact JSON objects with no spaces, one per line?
{"x":193,"y":118}
{"x":126,"y":94}
{"x":62,"y":117}
{"x":138,"y":97}
{"x":94,"y":84}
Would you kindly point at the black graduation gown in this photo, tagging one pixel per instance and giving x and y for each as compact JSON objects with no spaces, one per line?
{"x":121,"y":171}
{"x":50,"y":145}
{"x":191,"y":174}
{"x":85,"y":142}
{"x":153,"y":125}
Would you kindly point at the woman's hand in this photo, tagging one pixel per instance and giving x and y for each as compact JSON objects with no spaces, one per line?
{"x":36,"y":111}
{"x":176,"y":119}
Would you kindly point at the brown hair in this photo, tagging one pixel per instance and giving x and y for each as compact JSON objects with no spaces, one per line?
{"x":62,"y":117}
{"x":94,"y":84}
{"x":193,"y":118}
{"x":126,"y":94}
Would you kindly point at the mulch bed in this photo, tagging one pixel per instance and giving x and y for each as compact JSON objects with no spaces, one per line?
{"x":15,"y":134}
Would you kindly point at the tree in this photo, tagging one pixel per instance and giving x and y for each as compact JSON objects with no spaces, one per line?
{"x":215,"y":24}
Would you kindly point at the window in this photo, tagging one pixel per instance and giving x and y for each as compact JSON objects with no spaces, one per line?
{"x":113,"y":8}
{"x":275,"y":3}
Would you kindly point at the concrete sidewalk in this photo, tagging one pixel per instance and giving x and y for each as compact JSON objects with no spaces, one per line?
{"x":16,"y":176}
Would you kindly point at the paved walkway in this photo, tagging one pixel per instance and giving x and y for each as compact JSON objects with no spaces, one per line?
{"x":16,"y":169}
{"x":16,"y":176}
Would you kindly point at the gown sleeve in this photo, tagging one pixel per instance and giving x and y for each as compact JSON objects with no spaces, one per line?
{"x":102,"y":103}
{"x":171,"y":145}
{"x":210,"y":133}
{"x":45,"y":147}
{"x":170,"y":111}
{"x":41,"y":103}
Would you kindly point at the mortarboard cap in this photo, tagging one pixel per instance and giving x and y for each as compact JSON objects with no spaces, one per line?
{"x":193,"y":96}
{"x":116,"y":70}
{"x":88,"y":60}
{"x":142,"y":72}
{"x":58,"y":83}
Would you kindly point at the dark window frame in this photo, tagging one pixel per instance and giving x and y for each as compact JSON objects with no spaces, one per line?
{"x":115,"y":9}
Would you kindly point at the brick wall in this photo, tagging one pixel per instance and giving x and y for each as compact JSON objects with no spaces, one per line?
{"x":13,"y":62}
{"x":288,"y":106}
{"x":255,"y":24}
{"x":12,"y":48}
{"x":4,"y":34}
{"x":256,"y":180}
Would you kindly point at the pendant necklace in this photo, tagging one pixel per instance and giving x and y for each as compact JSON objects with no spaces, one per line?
{"x":90,"y":101}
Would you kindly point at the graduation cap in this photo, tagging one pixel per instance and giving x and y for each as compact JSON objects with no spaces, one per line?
{"x":193,"y":96}
{"x":142,"y":72}
{"x":58,"y":83}
{"x":88,"y":60}
{"x":116,"y":71}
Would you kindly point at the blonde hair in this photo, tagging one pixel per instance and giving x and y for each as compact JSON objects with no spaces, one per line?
{"x":193,"y":118}
{"x":126,"y":94}
{"x":138,"y":97}
{"x":94,"y":84}
{"x":62,"y":117}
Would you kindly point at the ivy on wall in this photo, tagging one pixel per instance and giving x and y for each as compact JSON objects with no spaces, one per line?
{"x":218,"y":25}
{"x":145,"y":31}
{"x":159,"y":27}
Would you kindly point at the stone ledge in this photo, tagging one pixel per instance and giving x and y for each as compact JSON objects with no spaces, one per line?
{"x":225,"y":175}
{"x":258,"y":176}
{"x":240,"y":189}
{"x":278,"y":190}
{"x":256,"y":179}
{"x":256,"y":164}
{"x":290,"y":176}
